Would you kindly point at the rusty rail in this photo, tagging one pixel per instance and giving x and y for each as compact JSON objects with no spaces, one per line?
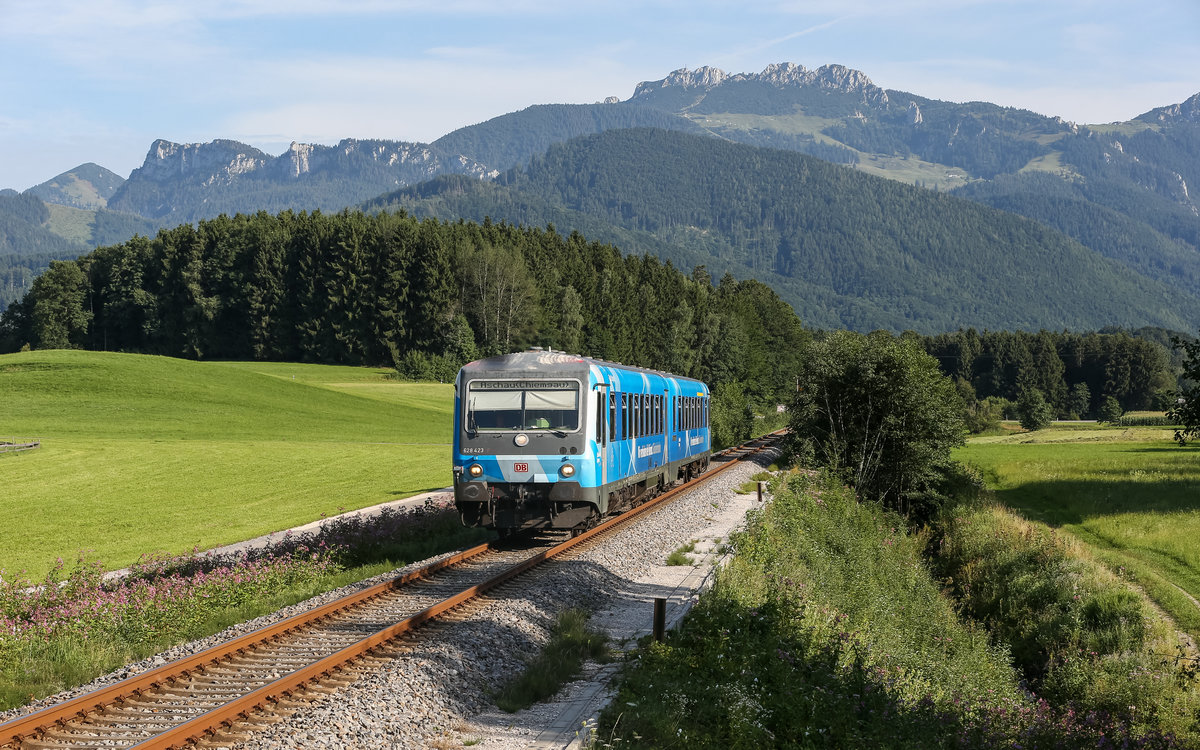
{"x":14,"y":732}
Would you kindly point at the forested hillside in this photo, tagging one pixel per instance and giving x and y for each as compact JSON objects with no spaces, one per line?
{"x":511,"y":140}
{"x":845,"y":249}
{"x":426,"y":295}
{"x":26,"y":245}
{"x":28,"y":240}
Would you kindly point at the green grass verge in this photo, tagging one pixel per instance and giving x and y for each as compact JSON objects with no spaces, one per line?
{"x":1132,"y":495}
{"x":143,"y":454}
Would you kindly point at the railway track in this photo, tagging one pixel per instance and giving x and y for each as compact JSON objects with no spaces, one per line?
{"x":216,"y":695}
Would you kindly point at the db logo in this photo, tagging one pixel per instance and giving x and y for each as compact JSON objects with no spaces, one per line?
{"x":521,"y":468}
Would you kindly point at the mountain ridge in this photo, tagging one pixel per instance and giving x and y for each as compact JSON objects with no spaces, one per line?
{"x":1125,"y":191}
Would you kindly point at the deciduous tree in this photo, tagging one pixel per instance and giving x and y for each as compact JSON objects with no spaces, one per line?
{"x":878,"y":409}
{"x":1187,"y":409}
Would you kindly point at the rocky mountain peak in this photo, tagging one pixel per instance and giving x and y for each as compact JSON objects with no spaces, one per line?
{"x":782,"y":75}
{"x":1188,"y":111}
{"x":218,"y":161}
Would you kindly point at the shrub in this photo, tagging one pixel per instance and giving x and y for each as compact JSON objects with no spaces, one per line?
{"x":878,"y":409}
{"x":1078,"y":634}
{"x":1033,"y":411}
{"x":423,"y":367}
{"x":1110,"y":410}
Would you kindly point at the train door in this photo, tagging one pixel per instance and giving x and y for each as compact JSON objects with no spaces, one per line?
{"x":604,"y":427}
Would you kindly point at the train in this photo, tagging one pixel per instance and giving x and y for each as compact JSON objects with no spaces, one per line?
{"x":545,"y":439}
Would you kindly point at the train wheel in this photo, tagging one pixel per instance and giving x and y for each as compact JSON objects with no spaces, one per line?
{"x":590,"y":523}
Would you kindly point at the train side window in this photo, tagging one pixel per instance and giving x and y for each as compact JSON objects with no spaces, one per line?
{"x":637,"y":415}
{"x":612,"y":416}
{"x":600,"y":413}
{"x":633,"y":415}
{"x":643,"y":412}
{"x":706,"y":412}
{"x":624,"y":416}
{"x":675,"y":421}
{"x":645,"y":415}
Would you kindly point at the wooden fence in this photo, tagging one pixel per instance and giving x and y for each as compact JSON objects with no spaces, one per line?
{"x":11,"y":445}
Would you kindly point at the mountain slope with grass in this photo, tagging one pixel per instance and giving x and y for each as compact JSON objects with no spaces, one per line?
{"x":845,"y":249}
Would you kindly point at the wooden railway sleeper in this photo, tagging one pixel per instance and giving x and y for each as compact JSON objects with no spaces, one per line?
{"x":99,"y":733}
{"x":41,"y":744}
{"x":156,"y":719}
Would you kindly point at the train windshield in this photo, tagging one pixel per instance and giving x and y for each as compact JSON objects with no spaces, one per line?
{"x":523,"y":405}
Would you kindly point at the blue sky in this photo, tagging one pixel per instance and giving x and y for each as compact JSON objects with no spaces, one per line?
{"x":99,"y":80}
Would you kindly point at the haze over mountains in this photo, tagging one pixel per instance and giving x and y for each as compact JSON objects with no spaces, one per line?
{"x":988,"y":216}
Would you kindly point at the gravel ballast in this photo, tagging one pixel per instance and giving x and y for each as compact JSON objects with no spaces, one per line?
{"x":435,"y":691}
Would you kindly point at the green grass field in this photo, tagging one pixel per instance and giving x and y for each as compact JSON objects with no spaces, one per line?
{"x":146,"y":454}
{"x":1131,"y":494}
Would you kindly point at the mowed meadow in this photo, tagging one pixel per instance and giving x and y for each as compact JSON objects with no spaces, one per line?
{"x":143,"y":454}
{"x":1131,"y":495}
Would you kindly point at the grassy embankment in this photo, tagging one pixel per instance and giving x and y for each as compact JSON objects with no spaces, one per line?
{"x":142,"y":454}
{"x":830,"y":629}
{"x":1131,"y":495}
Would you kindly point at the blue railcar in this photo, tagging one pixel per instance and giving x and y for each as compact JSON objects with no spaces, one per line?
{"x":547,"y":439}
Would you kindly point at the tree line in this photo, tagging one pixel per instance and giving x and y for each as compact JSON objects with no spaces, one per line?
{"x":1078,"y":375}
{"x":422,"y":295}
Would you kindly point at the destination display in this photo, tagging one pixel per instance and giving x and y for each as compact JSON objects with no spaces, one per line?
{"x":522,"y":385}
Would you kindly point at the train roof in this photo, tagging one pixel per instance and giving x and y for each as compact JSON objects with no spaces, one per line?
{"x":548,"y":360}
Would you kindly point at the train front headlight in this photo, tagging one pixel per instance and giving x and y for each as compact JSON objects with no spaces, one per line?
{"x":567,"y":470}
{"x":475,"y":470}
